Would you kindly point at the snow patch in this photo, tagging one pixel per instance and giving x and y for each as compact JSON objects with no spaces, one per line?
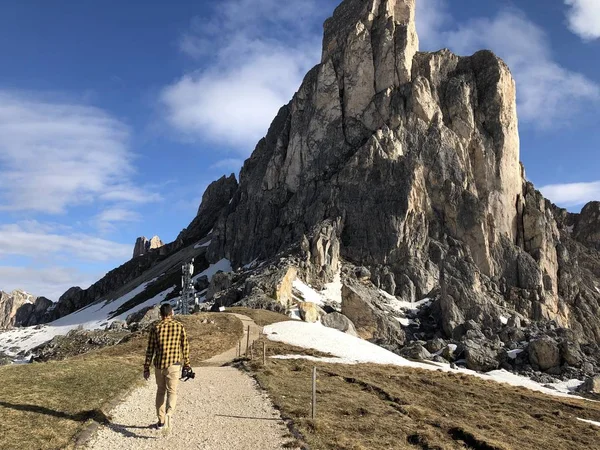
{"x":222,"y":266}
{"x":331,"y":293}
{"x":591,"y":422}
{"x":403,"y":321}
{"x":351,"y":350}
{"x":206,"y":244}
{"x":308,"y":294}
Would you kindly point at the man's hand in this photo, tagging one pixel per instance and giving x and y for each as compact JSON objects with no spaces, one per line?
{"x":146,"y":374}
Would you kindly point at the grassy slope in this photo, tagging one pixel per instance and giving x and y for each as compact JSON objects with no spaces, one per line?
{"x":43,"y":406}
{"x":374,"y":407}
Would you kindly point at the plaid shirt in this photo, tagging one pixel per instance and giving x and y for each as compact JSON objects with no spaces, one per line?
{"x":168,"y":344}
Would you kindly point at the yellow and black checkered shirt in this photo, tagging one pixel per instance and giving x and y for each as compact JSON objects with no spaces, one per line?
{"x":167,"y":344}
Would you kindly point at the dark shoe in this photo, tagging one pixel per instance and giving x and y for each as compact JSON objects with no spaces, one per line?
{"x":158,"y":426}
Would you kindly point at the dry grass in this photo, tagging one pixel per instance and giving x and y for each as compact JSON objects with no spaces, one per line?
{"x":261,"y":317}
{"x":382,"y":407}
{"x":43,"y":406}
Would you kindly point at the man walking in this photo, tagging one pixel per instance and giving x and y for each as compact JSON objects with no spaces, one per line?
{"x":168,"y":345}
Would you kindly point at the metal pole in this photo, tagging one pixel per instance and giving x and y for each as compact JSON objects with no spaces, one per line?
{"x":314,"y":393}
{"x":240,"y":348}
{"x":264,"y":353}
{"x":248,"y":340}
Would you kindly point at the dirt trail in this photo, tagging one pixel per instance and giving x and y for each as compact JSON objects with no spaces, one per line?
{"x":221,"y":409}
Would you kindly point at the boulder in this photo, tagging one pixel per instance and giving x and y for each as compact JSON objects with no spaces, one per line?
{"x":436,"y":345}
{"x":544,"y":353}
{"x":415,"y":351}
{"x":219,"y":282}
{"x":591,"y":385}
{"x":339,"y":322}
{"x":309,"y":312}
{"x":448,"y":352}
{"x":571,"y":353}
{"x":118,"y":325}
{"x":371,"y":322}
{"x":480,"y":357}
{"x":144,"y":317}
{"x":362,"y":274}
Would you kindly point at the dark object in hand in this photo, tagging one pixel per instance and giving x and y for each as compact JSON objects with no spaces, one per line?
{"x":187,"y":374}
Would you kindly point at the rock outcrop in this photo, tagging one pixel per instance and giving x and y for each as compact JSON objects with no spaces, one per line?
{"x":143,"y":245}
{"x":217,"y":197}
{"x":19,"y":309}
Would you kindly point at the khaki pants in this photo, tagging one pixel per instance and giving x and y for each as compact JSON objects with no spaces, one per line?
{"x":167,"y":381}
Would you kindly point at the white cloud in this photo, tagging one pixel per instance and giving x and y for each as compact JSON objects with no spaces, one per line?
{"x":47,"y":282}
{"x":118,"y":215}
{"x":256,"y":53}
{"x":105,"y":221}
{"x":573,"y":194}
{"x":55,"y":154}
{"x":549,"y":95}
{"x":584,"y":18}
{"x":42,"y":241}
{"x":234,"y":164}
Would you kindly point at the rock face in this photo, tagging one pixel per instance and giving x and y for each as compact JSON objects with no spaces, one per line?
{"x":144,"y":245}
{"x":410,"y":163}
{"x":217,"y":197}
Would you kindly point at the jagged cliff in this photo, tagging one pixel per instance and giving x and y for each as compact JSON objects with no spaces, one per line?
{"x":415,"y":157}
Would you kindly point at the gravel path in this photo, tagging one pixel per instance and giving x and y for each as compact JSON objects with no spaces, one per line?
{"x":221,"y":409}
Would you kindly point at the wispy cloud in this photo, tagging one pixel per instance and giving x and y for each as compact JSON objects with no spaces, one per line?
{"x":48,"y":282}
{"x":549,"y":95}
{"x":584,"y":18}
{"x":234,"y":164}
{"x":42,"y":242}
{"x":253,"y":63}
{"x":572,"y":194}
{"x":56,"y":154}
{"x":107,"y":220}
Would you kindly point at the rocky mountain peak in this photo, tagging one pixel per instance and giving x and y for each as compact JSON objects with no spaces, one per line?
{"x":143,"y":245}
{"x":416,"y":158}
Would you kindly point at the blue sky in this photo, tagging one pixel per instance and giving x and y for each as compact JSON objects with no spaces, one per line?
{"x":114,"y":116}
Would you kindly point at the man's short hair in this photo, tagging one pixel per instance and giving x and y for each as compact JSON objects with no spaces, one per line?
{"x":165,"y":310}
